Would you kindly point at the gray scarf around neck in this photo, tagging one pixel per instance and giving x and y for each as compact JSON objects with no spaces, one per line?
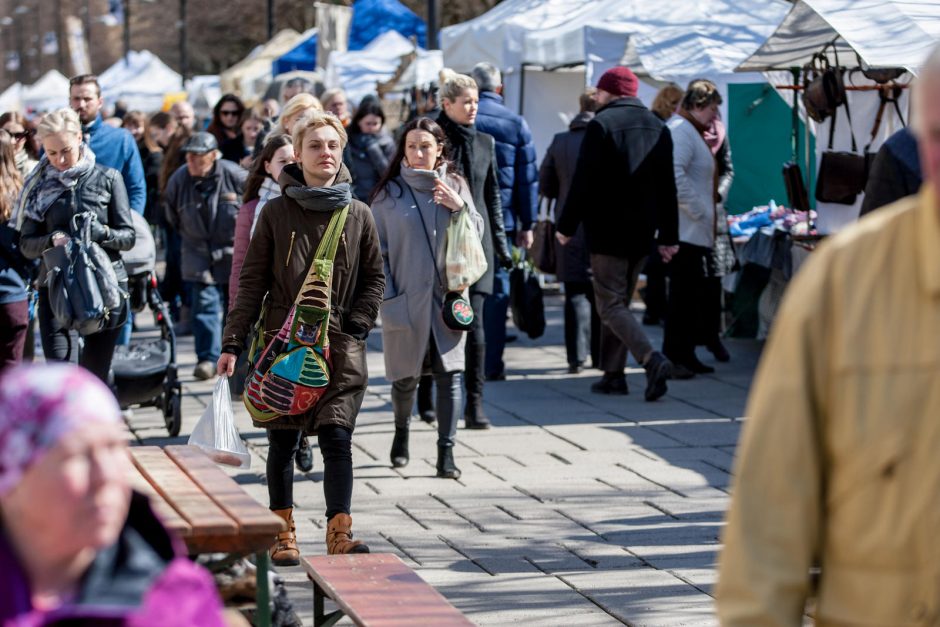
{"x":326,"y":199}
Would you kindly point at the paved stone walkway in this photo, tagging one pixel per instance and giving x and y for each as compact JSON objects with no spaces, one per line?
{"x":575,"y":509}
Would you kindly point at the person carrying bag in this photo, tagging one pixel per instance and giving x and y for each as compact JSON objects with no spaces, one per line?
{"x":77,"y":218}
{"x":292,"y":372}
{"x":426,"y":219}
{"x":313,"y":275}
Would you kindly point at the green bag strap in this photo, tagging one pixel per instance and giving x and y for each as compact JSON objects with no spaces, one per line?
{"x":315,"y":290}
{"x":334,"y":231}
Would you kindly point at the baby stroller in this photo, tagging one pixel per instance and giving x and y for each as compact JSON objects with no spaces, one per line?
{"x":145,"y":372}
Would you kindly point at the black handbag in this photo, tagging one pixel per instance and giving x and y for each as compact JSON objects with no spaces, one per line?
{"x":543,"y":243}
{"x":796,"y":188}
{"x":525,"y":301}
{"x":84,"y":292}
{"x":456,"y":310}
{"x":842,"y":175}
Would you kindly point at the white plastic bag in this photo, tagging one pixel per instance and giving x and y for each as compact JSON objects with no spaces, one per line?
{"x":466,"y":260}
{"x":215,"y":433}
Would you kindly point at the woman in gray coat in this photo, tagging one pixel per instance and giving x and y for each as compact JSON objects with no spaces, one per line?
{"x":413,"y":205}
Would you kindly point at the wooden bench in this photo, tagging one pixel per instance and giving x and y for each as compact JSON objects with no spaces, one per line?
{"x":199,"y":502}
{"x":376,"y":590}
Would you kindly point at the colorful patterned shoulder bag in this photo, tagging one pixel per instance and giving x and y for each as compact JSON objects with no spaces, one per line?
{"x":293,"y":371}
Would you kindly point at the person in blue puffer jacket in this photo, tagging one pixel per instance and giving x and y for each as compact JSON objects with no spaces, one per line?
{"x":518,"y":186}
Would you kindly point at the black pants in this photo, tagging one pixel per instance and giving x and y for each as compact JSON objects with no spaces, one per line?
{"x":59,"y":344}
{"x":475,"y":352}
{"x":688,"y":321}
{"x":655,"y":293}
{"x":582,"y":324}
{"x":336,"y":448}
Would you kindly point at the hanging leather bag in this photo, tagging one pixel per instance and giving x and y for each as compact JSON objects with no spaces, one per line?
{"x":543,"y":241}
{"x":841,"y":175}
{"x":823,"y":86}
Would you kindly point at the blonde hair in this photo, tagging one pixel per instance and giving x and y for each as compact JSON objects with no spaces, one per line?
{"x":300,"y":102}
{"x":453,"y":84}
{"x":312,"y":121}
{"x":60,"y":121}
{"x":667,"y":101}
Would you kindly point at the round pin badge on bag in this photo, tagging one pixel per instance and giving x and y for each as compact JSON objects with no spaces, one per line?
{"x":457,"y":312}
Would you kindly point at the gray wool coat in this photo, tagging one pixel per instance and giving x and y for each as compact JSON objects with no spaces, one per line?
{"x":411,"y":310}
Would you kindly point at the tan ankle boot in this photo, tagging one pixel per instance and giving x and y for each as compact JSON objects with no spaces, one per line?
{"x":285,"y":551}
{"x":339,"y":536}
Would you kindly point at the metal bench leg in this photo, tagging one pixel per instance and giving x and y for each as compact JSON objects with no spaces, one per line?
{"x":320,"y":619}
{"x":263,"y":595}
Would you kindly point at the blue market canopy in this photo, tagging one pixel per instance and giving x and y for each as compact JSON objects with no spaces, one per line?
{"x":372,"y":18}
{"x":302,"y":57}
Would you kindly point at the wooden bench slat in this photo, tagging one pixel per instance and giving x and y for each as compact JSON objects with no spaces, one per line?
{"x":164,"y":511}
{"x":192,"y":504}
{"x":380,"y":590}
{"x":251,"y":517}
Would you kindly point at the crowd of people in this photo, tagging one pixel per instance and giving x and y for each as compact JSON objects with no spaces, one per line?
{"x":249,"y":207}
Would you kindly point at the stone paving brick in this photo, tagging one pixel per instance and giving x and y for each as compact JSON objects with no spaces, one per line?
{"x":575,"y":509}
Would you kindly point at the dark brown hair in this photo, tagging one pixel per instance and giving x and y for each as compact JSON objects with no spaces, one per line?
{"x":394,"y":165}
{"x":216,"y":127}
{"x":257,"y":174}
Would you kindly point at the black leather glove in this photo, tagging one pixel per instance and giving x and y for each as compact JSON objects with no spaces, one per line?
{"x":97,"y":231}
{"x":505,"y":262}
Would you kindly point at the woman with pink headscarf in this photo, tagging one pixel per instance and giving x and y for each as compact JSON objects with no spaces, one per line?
{"x":77,"y":545}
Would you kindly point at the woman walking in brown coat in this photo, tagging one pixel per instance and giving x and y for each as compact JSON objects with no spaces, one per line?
{"x":286,"y":237}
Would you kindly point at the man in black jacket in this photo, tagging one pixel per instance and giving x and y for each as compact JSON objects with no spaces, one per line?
{"x":624,"y":192}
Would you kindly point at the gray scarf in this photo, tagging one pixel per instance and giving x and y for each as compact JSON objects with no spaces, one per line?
{"x":45,"y":184}
{"x":326,"y":199}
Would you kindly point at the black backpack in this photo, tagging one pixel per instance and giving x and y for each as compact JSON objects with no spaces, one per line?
{"x":84,"y":293}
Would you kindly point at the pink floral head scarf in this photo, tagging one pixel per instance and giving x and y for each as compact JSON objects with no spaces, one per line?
{"x":39,"y":404}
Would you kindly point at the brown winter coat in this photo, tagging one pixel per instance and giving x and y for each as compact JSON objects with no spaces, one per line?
{"x":276,"y":266}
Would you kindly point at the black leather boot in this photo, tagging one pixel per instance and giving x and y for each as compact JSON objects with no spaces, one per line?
{"x":446,"y":468}
{"x":473,"y":415}
{"x":426,"y":400}
{"x":400,"y":448}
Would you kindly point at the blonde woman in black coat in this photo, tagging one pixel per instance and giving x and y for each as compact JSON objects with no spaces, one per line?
{"x":474,"y":157}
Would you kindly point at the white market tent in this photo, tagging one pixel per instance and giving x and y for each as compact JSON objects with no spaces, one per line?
{"x":47,"y":94}
{"x":243,"y":77}
{"x":659,"y":39}
{"x":10,"y":99}
{"x":358,"y":71}
{"x":884,"y":33}
{"x":203,"y":92}
{"x":142,"y":83}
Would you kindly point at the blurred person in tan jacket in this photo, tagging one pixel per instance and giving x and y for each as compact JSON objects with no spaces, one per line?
{"x":838,"y":466}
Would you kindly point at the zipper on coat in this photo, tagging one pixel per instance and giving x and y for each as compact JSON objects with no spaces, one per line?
{"x":342,"y":239}
{"x":290,"y":248}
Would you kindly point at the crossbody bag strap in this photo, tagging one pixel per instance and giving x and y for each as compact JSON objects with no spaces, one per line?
{"x":427,"y":238}
{"x":326,"y":252}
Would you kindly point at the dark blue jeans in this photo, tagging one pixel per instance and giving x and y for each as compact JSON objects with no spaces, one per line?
{"x":494,"y":322}
{"x":209,"y":306}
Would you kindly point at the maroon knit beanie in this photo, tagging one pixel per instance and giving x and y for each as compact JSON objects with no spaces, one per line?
{"x":619,"y":81}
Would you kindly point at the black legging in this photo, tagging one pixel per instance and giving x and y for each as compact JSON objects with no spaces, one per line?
{"x":59,"y":344}
{"x":336,"y":448}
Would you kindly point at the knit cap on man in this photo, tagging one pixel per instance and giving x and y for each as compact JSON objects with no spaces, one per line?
{"x":619,"y":81}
